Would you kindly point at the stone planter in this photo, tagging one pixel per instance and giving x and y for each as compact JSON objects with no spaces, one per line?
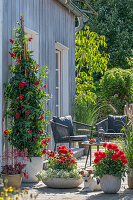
{"x":33,"y":167}
{"x":110,"y":184}
{"x":12,"y":180}
{"x":62,"y":182}
{"x":130,"y":178}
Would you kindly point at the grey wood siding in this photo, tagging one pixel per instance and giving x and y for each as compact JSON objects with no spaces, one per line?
{"x":54,"y":23}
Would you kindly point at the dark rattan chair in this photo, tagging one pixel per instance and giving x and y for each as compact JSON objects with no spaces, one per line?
{"x":112,"y":127}
{"x":63,"y":130}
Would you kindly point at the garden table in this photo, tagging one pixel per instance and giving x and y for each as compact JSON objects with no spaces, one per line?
{"x":89,"y":145}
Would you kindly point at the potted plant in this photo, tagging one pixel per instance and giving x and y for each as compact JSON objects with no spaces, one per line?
{"x":127,"y":146}
{"x":110,"y":166}
{"x":62,"y":171}
{"x":12,"y":169}
{"x":26,"y":98}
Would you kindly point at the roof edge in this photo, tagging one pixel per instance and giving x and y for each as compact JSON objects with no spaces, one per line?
{"x":74,"y":9}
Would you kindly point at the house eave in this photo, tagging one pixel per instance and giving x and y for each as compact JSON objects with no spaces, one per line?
{"x":74,"y":9}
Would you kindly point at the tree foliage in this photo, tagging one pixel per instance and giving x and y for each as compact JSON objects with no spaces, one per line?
{"x":90,"y":58}
{"x":115,"y":22}
{"x":117,"y":87}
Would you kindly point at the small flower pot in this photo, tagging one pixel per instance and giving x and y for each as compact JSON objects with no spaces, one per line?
{"x":110,"y":184}
{"x":62,"y":182}
{"x":12,"y":180}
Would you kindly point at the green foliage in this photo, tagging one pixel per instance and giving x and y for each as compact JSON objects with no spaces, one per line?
{"x":117,"y":88}
{"x":90,"y":59}
{"x":115,"y":22}
{"x":25,"y":95}
{"x":89,"y":112}
{"x":127,"y":146}
{"x":56,"y":173}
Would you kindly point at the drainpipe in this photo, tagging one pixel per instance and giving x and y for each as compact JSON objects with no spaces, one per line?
{"x":80,"y":25}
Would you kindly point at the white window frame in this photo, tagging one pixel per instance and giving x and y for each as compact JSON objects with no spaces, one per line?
{"x":64,"y":81}
{"x":34,"y":44}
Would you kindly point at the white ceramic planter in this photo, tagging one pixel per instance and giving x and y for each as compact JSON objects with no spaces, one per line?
{"x":62,"y":182}
{"x":110,"y":184}
{"x":33,"y":167}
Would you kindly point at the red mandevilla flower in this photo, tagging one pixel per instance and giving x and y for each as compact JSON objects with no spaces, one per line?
{"x":96,"y":161}
{"x":12,"y":41}
{"x":17,"y":116}
{"x":36,"y":83}
{"x":21,"y":96}
{"x":44,"y":151}
{"x":30,"y":39}
{"x":12,"y":54}
{"x":6,"y":132}
{"x":41,"y":118}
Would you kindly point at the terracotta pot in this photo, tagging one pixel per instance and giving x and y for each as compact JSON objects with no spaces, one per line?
{"x":33,"y":167}
{"x":13,"y":180}
{"x":110,"y":184}
{"x":62,"y":182}
{"x":130,"y":178}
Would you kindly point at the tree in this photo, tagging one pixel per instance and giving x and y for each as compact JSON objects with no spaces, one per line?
{"x":90,"y":59}
{"x":25,"y":95}
{"x":115,"y":22}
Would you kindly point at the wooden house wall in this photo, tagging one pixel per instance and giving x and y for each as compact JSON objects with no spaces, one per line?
{"x":54,"y":23}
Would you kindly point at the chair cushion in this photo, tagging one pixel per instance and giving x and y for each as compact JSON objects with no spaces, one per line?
{"x":78,"y":137}
{"x":116,"y":123}
{"x":67,"y":120}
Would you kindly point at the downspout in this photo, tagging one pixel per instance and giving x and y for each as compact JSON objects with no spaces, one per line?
{"x":80,"y":25}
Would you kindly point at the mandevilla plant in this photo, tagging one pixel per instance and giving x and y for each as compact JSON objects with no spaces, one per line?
{"x":111,"y":162}
{"x":25,"y":95}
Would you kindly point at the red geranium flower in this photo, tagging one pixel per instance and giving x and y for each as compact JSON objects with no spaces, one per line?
{"x":6,"y":131}
{"x":51,"y":154}
{"x":30,"y":39}
{"x":114,"y":157}
{"x":124,"y":161}
{"x":44,"y":151}
{"x":104,"y":144}
{"x":36,"y":83}
{"x":12,"y":41}
{"x":109,"y":146}
{"x":123,"y":156}
{"x":96,"y":161}
{"x":21,"y":96}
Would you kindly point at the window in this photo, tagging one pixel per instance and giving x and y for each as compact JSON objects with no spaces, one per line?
{"x":34,"y":44}
{"x":62,"y":86}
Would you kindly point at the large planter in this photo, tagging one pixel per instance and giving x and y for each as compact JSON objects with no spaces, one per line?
{"x":62,"y":182}
{"x":12,"y":180}
{"x":33,"y":167}
{"x":130,"y":178}
{"x":110,"y":184}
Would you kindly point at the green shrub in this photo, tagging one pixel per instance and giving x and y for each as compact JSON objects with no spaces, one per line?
{"x":117,"y":88}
